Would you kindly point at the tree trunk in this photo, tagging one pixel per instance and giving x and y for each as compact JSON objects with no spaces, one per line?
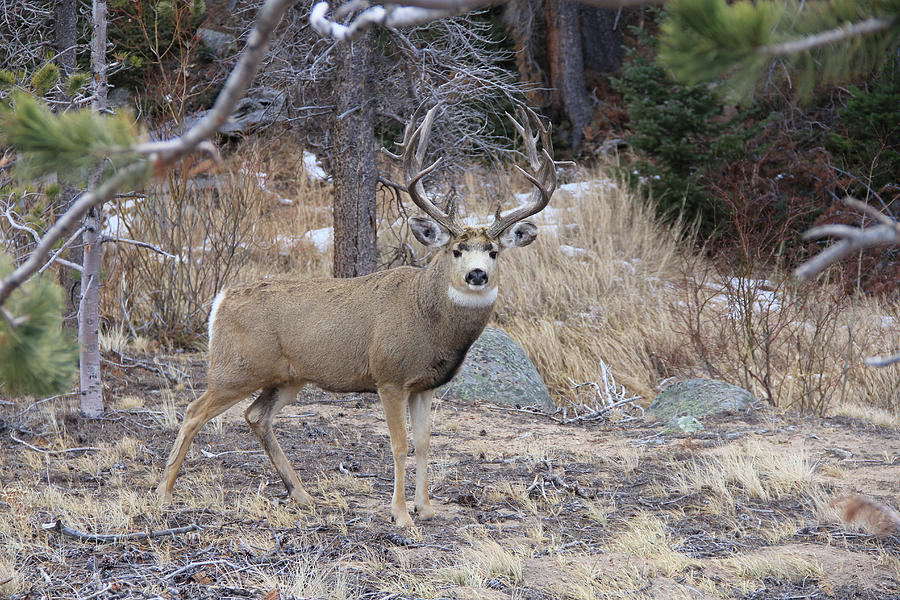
{"x":65,"y":36}
{"x":98,"y":54}
{"x":601,"y":36}
{"x":66,"y":19}
{"x":564,"y":54}
{"x":353,"y":161}
{"x":89,"y":308}
{"x":89,"y":318}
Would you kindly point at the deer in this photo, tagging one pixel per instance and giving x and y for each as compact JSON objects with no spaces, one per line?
{"x":400,"y":332}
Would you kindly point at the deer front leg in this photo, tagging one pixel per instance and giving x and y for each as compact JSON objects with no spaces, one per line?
{"x":394,"y":401}
{"x":420,"y":415}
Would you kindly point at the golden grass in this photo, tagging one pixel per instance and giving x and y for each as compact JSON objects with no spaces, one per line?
{"x":751,"y":570}
{"x":647,"y":537}
{"x":869,"y":413}
{"x":759,"y":472}
{"x":485,"y":560}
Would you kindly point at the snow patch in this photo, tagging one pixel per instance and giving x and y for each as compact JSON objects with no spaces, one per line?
{"x":321,"y":238}
{"x":313,"y":169}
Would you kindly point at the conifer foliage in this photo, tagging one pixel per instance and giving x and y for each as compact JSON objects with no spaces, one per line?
{"x":816,"y":42}
{"x":36,"y":356}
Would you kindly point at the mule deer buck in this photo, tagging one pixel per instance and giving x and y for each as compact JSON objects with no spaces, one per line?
{"x":401,"y":332}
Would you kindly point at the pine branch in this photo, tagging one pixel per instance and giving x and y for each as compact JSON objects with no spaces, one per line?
{"x":161,"y":154}
{"x":826,"y":38}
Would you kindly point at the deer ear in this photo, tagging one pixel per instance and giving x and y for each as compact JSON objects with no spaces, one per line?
{"x":428,"y":232}
{"x":520,"y":234}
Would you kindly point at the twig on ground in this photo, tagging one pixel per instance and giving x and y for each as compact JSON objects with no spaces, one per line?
{"x":607,"y":396}
{"x":12,"y":435}
{"x":106,"y":538}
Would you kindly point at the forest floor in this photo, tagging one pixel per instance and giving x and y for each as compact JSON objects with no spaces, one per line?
{"x":527,"y":508}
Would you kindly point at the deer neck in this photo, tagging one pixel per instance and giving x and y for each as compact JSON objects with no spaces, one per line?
{"x":456,"y":312}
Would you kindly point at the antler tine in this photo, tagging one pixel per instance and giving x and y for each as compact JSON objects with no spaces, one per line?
{"x":541,"y":162}
{"x":415,"y":143}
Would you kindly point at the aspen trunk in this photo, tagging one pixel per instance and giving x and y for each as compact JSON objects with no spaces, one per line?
{"x":89,"y":307}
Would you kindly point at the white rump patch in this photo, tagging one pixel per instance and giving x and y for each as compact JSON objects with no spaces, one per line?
{"x":477,"y":299}
{"x":214,"y":311}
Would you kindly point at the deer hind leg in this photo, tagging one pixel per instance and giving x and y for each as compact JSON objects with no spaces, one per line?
{"x":201,"y":410}
{"x":259,"y":416}
{"x":420,"y":415}
{"x":394,"y":402}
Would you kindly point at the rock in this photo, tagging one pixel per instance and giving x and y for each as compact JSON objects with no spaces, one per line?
{"x":699,"y":398}
{"x":498,"y":370}
{"x":217,"y":41}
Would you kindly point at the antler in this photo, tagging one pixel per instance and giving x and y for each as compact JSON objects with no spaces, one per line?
{"x":542,"y":164}
{"x":415,"y":143}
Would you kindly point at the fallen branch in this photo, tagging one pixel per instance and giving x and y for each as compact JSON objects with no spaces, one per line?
{"x":12,"y":435}
{"x":105,"y":538}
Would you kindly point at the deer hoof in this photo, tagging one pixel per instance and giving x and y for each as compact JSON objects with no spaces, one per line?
{"x":402,"y":519}
{"x":424,"y":511}
{"x":164,"y":495}
{"x":301,"y":497}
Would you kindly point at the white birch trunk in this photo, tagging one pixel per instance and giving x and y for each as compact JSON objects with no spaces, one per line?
{"x":89,"y":307}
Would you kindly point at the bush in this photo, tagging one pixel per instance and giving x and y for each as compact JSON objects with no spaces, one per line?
{"x":679,"y":135}
{"x":866,"y":139}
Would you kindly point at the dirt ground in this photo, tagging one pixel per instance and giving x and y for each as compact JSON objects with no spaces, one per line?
{"x":527,"y":508}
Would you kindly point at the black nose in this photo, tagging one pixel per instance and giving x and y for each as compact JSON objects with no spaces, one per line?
{"x":476,"y":277}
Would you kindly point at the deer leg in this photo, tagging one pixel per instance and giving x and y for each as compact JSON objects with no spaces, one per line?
{"x":259,"y":416}
{"x":394,"y":402}
{"x":420,"y":415}
{"x":201,"y":410}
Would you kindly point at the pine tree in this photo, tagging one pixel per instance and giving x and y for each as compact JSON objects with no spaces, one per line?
{"x":814,"y":42}
{"x":36,"y":357}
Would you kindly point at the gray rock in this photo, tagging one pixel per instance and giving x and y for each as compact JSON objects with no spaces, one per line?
{"x":498,"y":370}
{"x":217,"y":41}
{"x":699,"y":398}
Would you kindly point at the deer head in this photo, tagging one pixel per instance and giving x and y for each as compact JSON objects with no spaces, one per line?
{"x":469,"y":254}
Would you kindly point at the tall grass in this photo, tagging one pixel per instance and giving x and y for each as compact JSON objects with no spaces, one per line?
{"x":605,"y":281}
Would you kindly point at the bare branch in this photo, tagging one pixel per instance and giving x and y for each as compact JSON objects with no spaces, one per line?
{"x":106,"y":538}
{"x":235,"y":86}
{"x":65,"y":224}
{"x":883,"y":361}
{"x":825,"y":38}
{"x":414,"y":12}
{"x":62,"y":249}
{"x":390,"y":17}
{"x":118,"y":240}
{"x":852,"y":239}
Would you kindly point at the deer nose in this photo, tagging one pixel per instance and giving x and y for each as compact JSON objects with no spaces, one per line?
{"x":476,"y":277}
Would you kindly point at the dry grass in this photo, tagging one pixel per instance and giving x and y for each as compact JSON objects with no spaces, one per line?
{"x":484,"y":561}
{"x":647,"y":537}
{"x":604,"y":281}
{"x":782,"y":566}
{"x":735,"y":471}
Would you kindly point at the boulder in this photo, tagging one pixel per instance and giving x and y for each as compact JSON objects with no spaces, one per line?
{"x":699,"y":398}
{"x":498,"y":370}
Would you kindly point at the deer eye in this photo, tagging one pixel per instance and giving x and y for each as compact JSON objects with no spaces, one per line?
{"x":492,"y":254}
{"x":457,"y":253}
